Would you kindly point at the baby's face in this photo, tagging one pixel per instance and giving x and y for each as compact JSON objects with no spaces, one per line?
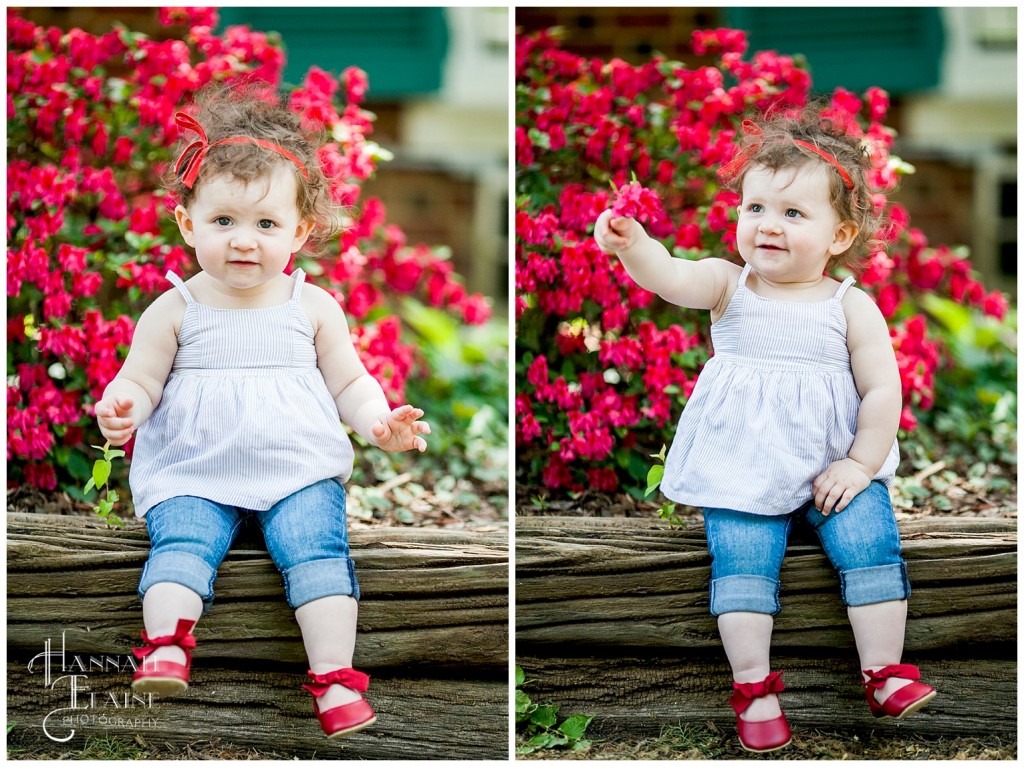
{"x":787,"y":229}
{"x":244,"y":234}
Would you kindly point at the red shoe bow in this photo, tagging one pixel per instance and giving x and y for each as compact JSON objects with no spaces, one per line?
{"x":181,"y":637}
{"x":903,"y":671}
{"x":744,"y":693}
{"x":346,"y":677}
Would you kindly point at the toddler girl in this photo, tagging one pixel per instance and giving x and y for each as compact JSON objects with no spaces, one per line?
{"x":235,"y":381}
{"x":795,"y":416}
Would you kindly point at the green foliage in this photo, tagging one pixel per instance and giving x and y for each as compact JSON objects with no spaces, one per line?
{"x":975,"y":417}
{"x":537,"y":725}
{"x":667,"y":512}
{"x":99,"y":481}
{"x":465,"y":396}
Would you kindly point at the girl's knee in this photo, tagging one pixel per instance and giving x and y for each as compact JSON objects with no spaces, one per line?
{"x":864,"y":535}
{"x":308,"y":533}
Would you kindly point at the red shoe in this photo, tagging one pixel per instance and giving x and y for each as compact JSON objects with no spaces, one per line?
{"x":350,"y":717}
{"x":162,"y":676}
{"x":906,"y":700}
{"x":760,"y":737}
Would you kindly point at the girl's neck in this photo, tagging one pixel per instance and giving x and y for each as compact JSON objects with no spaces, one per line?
{"x":211,"y":292}
{"x":798,"y":290}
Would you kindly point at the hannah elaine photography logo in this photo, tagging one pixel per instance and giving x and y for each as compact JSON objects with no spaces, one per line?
{"x":67,"y":675}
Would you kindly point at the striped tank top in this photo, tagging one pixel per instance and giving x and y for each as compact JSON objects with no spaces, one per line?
{"x":773,"y":407}
{"x":245,"y":418}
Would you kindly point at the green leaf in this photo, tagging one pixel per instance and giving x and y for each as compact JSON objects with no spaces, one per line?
{"x":520,"y":676}
{"x":100,"y":472}
{"x":545,"y":716}
{"x":575,"y":726}
{"x":654,"y":477}
{"x":524,"y":706}
{"x":547,"y":740}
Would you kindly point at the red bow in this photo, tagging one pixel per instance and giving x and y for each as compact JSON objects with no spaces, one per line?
{"x":739,"y":161}
{"x":901,"y":671}
{"x":743,"y":694}
{"x":735,"y":166}
{"x":201,"y":147}
{"x":180,"y":638}
{"x":346,"y":677}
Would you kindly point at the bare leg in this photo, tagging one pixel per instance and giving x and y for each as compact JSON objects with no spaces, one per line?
{"x":747,"y":639}
{"x":329,"y":633}
{"x":162,"y":606}
{"x":879,"y":629}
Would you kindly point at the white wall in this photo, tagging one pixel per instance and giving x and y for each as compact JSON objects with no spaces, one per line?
{"x":466,"y":124}
{"x":975,"y":106}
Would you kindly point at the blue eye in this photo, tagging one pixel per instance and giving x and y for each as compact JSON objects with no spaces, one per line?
{"x":266,"y":224}
{"x":755,"y":207}
{"x":222,"y":221}
{"x":793,"y":213}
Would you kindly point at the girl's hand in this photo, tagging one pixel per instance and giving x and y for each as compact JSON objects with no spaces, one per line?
{"x":114,"y":416}
{"x":400,"y":429}
{"x":838,"y":485}
{"x":615,"y":235}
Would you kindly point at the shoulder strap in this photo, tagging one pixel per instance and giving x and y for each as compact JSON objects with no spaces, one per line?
{"x":843,"y":288}
{"x":177,"y":282}
{"x":742,"y":282}
{"x":300,"y":279}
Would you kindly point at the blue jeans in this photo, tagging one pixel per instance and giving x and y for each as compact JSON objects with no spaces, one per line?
{"x":861,"y":541}
{"x":306,"y":535}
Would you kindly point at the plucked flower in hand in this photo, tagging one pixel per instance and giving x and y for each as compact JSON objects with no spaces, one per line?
{"x":635,"y":201}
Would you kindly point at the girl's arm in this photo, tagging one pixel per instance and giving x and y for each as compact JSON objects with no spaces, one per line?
{"x":878,"y":383}
{"x":694,"y":284}
{"x":359,"y":397}
{"x":135,"y":392}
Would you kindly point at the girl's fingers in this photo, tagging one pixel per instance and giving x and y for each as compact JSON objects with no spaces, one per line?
{"x":406,"y":413}
{"x":123,"y":406}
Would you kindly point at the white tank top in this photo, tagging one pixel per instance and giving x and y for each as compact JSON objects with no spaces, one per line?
{"x":773,"y":407}
{"x":245,"y":418}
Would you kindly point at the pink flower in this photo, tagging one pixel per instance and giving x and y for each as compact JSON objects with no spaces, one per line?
{"x":356,"y":85}
{"x":995,"y":305}
{"x":634,"y":201}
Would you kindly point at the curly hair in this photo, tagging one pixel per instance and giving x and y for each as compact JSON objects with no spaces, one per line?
{"x":771,"y":145}
{"x":256,"y":112}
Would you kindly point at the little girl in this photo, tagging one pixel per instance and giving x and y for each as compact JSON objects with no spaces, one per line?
{"x":235,"y":381}
{"x":795,"y":416}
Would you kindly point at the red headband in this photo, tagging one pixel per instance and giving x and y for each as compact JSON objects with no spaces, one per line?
{"x":202,"y":147}
{"x":732,"y":169}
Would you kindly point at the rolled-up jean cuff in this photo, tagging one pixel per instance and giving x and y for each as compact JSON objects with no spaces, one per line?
{"x":182,"y":568}
{"x":744,"y":593}
{"x":869,"y":585}
{"x":320,"y":578}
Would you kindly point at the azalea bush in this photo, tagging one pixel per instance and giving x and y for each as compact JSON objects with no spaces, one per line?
{"x":603,"y":367}
{"x":90,"y":131}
